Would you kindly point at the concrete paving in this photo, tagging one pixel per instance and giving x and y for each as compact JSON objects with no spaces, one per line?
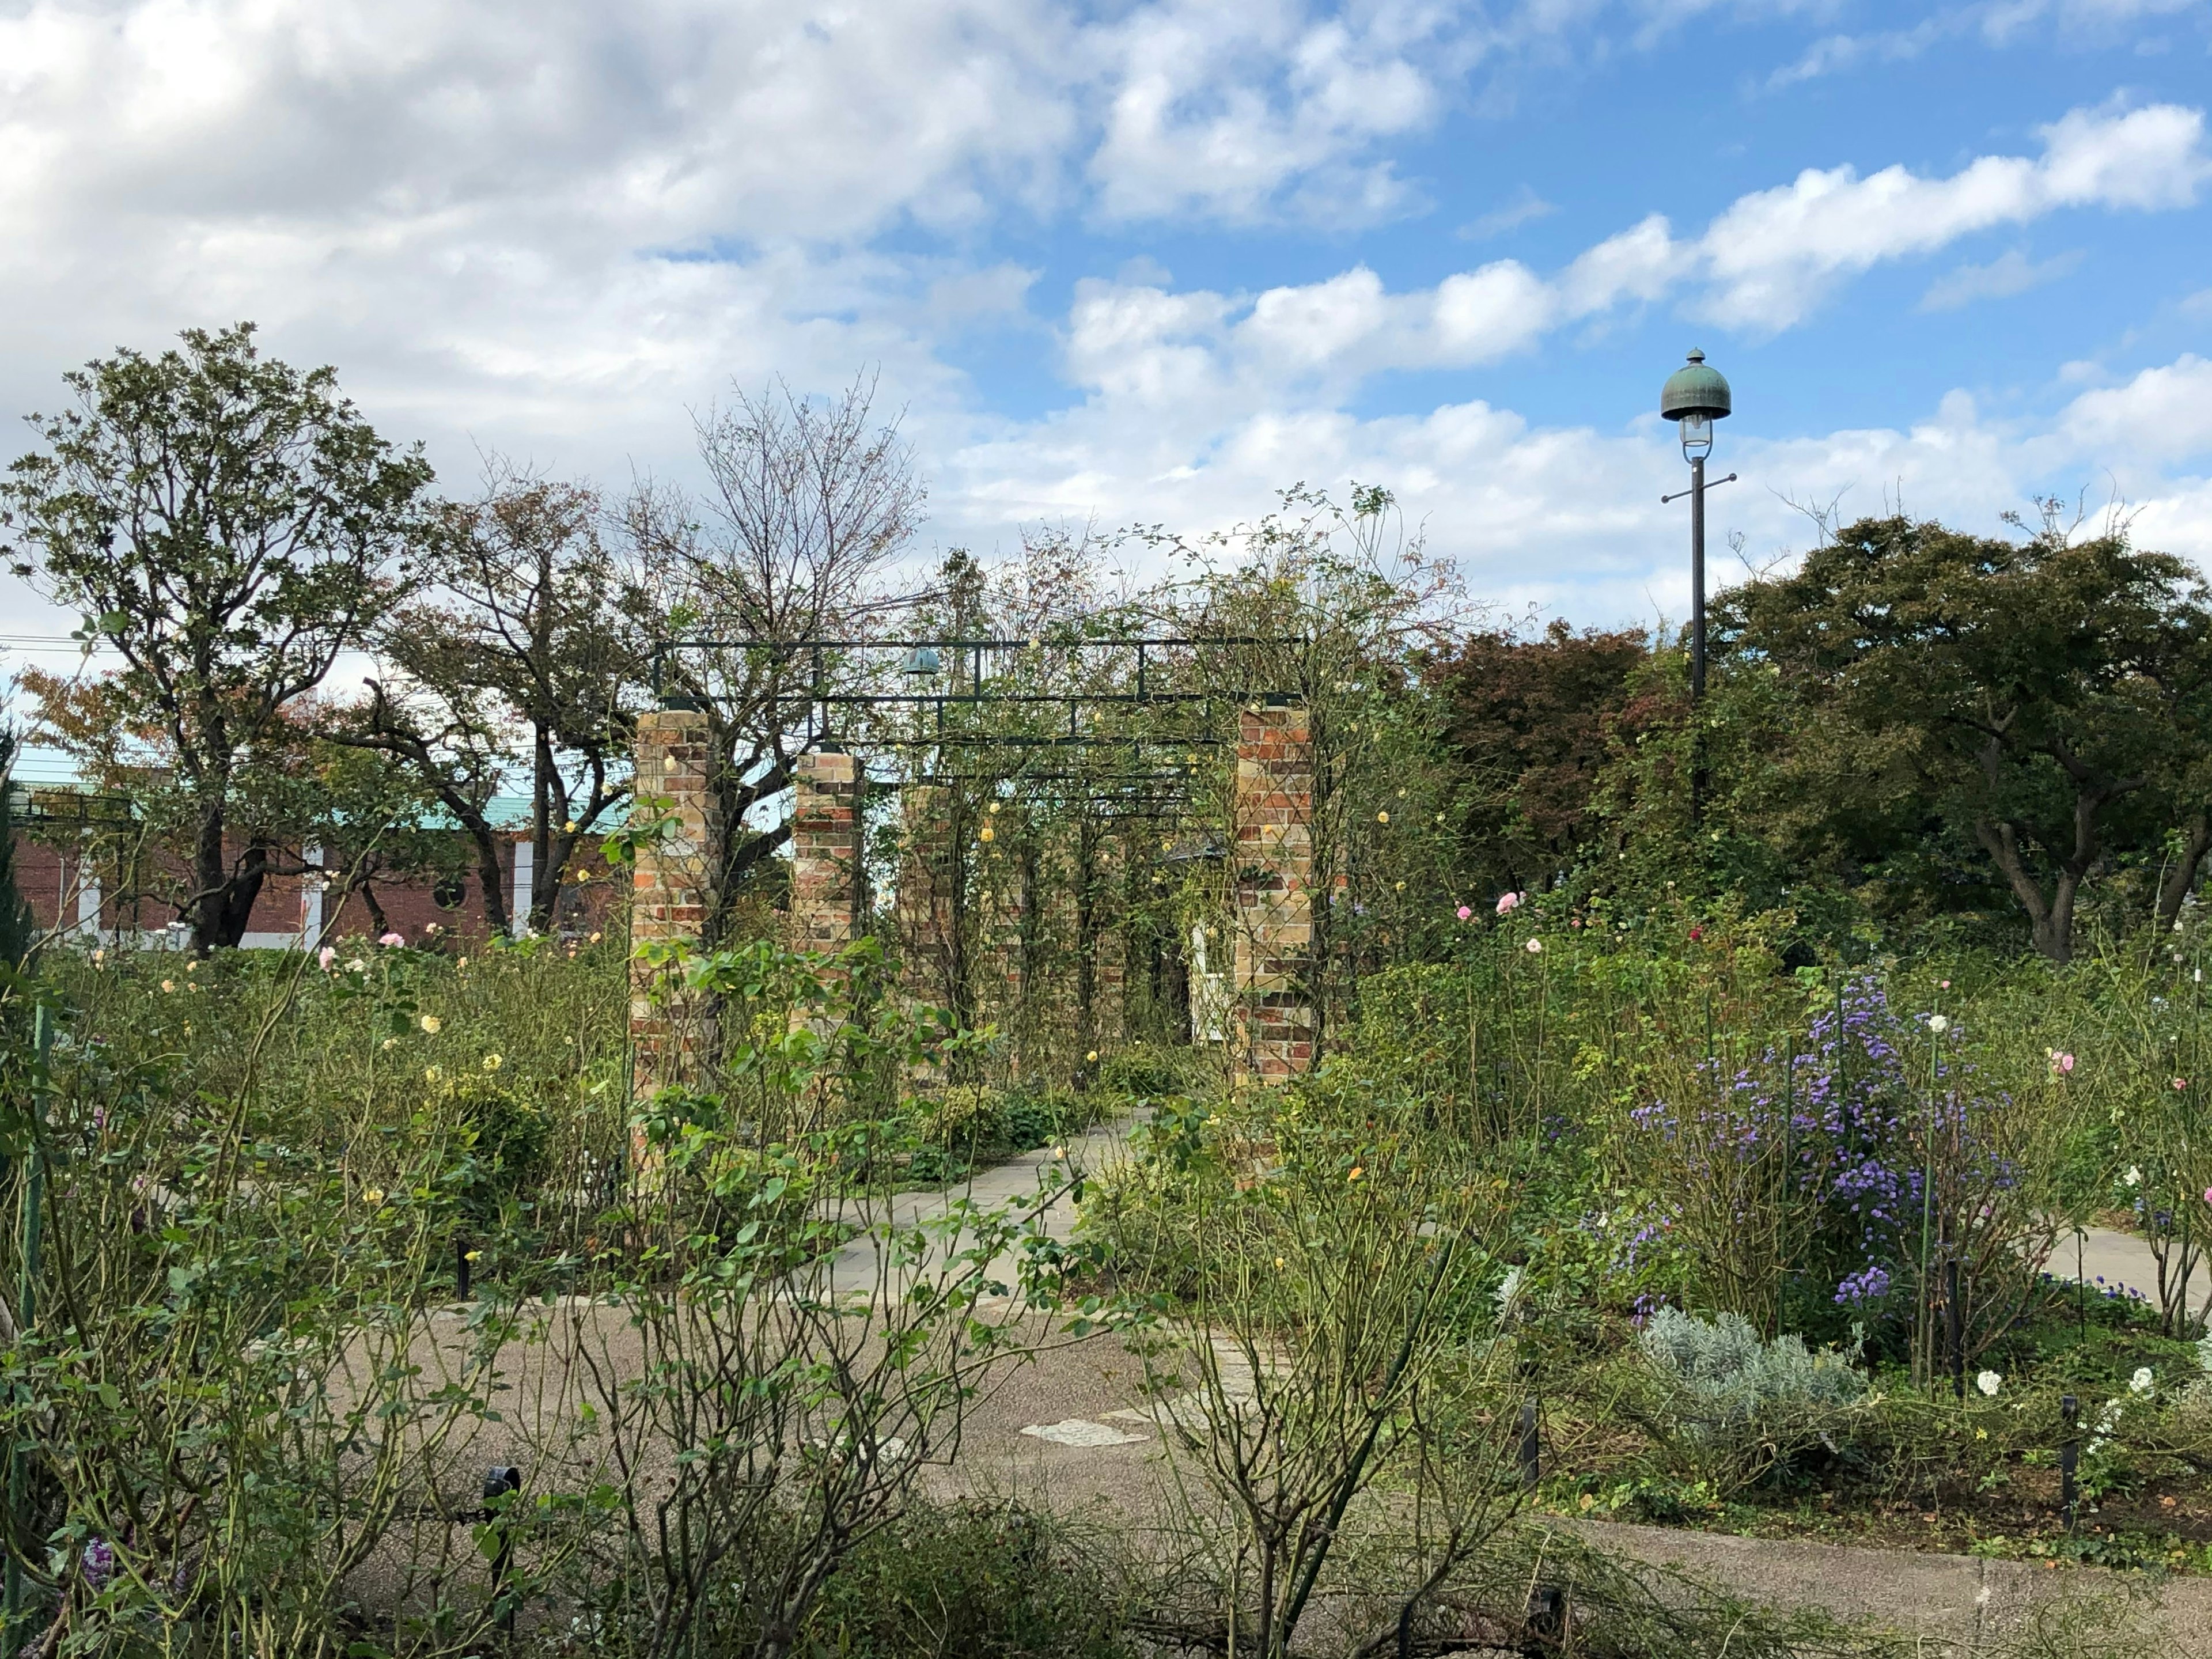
{"x":1071,"y":1427}
{"x":2109,"y":1260}
{"x":1037,"y":1186}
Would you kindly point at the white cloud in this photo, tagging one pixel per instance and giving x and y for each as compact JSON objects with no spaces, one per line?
{"x":1773,"y":254}
{"x":550,"y":227}
{"x":2011,"y":272}
{"x":1570,"y":517}
{"x":1999,"y":23}
{"x":1524,"y":208}
{"x":1220,"y":109}
{"x":2161,"y":415}
{"x":1760,"y":266}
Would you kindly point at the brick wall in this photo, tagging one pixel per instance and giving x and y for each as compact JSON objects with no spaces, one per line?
{"x":829,"y":882}
{"x":671,"y":892}
{"x":1273,"y":1033}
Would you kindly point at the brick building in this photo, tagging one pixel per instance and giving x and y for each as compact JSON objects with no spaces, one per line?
{"x":68,"y":868}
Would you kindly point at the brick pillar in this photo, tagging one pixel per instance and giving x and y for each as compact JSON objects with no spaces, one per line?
{"x":1274,"y":945}
{"x":672,"y":891}
{"x":828,"y":883}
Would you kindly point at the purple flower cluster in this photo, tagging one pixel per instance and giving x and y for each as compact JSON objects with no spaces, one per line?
{"x":1848,"y":1113}
{"x":1870,"y":1284}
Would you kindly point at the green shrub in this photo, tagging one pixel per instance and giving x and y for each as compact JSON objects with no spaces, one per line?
{"x":997,"y":1583}
{"x":1146,"y":1071}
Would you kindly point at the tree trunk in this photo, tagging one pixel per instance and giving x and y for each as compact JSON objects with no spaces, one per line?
{"x":2180,"y":878}
{"x":2050,"y":920}
{"x":210,"y":881}
{"x":379,"y":926}
{"x":232,"y":907}
{"x":223,"y":899}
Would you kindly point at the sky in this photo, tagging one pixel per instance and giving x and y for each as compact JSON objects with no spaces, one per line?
{"x":1152,"y":262}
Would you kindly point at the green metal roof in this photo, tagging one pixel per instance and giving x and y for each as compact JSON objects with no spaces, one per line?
{"x":1694,"y":389}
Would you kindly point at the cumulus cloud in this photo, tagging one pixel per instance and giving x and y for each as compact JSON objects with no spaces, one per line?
{"x":1219,"y":109}
{"x":1570,"y":517}
{"x":1760,"y":266}
{"x":1774,"y":254}
{"x":550,"y":227}
{"x":2161,"y":415}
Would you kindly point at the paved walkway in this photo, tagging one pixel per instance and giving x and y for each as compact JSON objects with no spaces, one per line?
{"x":1036,"y":1185}
{"x":1072,"y":1429}
{"x":2108,"y":1260}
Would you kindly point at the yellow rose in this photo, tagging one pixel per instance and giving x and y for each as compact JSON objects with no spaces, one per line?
{"x":431,"y":1024}
{"x":492,"y":1062}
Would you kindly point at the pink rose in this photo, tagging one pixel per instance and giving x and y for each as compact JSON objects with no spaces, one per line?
{"x":1508,"y":903}
{"x":392,"y":939}
{"x":1464,"y":913}
{"x":326,"y":957}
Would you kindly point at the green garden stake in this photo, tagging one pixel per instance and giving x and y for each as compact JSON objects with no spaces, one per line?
{"x":26,"y":1308}
{"x":1955,"y":1321}
{"x":1928,"y":1215}
{"x":2070,"y":1458}
{"x":1788,"y":1147}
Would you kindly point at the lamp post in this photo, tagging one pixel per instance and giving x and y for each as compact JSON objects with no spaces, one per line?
{"x":1696,"y":396}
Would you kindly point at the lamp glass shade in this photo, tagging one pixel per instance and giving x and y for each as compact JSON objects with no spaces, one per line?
{"x":1697,"y":435}
{"x":921,"y":661}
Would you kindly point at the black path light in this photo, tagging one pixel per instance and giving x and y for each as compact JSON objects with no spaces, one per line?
{"x":1696,"y":395}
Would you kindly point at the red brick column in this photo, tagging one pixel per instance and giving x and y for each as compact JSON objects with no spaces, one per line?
{"x":672,"y":890}
{"x":828,"y":886}
{"x":1274,"y":1024}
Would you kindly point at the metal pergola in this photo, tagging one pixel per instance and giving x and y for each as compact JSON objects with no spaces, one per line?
{"x":973,"y":674}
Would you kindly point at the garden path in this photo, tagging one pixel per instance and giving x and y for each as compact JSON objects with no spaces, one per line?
{"x":1072,"y":1429}
{"x":2109,"y":1260}
{"x":1042,"y":1179}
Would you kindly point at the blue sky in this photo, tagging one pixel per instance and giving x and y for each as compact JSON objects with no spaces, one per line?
{"x":1151,"y":261}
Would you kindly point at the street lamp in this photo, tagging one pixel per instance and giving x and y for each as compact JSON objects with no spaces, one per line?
{"x":1696,"y":395}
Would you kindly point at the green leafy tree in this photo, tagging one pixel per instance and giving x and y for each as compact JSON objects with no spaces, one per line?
{"x":521,"y":658}
{"x":229,"y":525}
{"x":2035,"y":700}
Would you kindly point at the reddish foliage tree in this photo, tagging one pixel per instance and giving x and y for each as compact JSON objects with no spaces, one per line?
{"x":1531,"y":722}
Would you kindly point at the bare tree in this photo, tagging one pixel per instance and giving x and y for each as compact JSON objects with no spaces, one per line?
{"x":806,"y":505}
